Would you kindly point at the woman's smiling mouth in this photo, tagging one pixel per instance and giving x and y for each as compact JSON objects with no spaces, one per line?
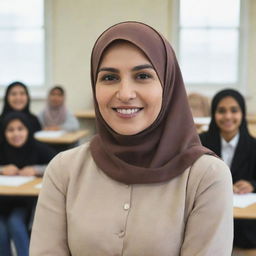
{"x":127,"y":112}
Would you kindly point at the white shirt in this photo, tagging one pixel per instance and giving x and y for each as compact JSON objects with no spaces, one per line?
{"x":228,"y":149}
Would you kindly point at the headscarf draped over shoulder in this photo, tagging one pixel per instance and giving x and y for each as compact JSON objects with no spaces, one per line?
{"x":167,"y":147}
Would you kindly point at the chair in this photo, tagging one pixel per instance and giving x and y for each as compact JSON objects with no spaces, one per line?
{"x":200,"y":108}
{"x":199,"y":105}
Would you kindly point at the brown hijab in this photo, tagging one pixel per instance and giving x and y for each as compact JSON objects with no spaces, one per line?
{"x":167,"y":147}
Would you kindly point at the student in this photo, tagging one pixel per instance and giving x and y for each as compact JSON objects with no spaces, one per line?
{"x":229,"y":138}
{"x":17,"y":99}
{"x":21,"y":155}
{"x":55,"y":116}
{"x":144,"y":184}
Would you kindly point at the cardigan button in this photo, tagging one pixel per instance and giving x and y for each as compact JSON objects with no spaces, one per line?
{"x":121,"y":234}
{"x":126,"y":206}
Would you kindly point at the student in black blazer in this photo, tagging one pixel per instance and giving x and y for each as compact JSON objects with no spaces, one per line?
{"x":229,"y":138}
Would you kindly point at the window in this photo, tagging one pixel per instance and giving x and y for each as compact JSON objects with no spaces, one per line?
{"x":210,"y":42}
{"x":22,"y":42}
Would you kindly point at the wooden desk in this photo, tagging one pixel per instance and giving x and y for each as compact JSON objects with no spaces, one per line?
{"x":252,"y":129}
{"x":90,"y":114}
{"x":27,"y":189}
{"x":67,"y":138}
{"x":251,"y":119}
{"x":245,"y":213}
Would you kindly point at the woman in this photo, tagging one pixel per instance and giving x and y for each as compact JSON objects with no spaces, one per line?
{"x":20,"y":155}
{"x":229,"y":138}
{"x":144,"y":182}
{"x":17,"y":99}
{"x":55,"y":116}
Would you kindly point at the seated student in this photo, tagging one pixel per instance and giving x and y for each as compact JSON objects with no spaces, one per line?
{"x":20,"y":154}
{"x":17,"y":99}
{"x":229,"y":138}
{"x":55,"y":116}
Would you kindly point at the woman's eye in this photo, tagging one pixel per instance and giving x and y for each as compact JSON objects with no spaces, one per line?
{"x":221,"y":111}
{"x":143,"y":76}
{"x":109,"y":78}
{"x":234,"y":110}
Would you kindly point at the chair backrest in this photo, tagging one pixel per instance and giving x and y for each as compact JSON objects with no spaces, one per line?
{"x":199,"y":104}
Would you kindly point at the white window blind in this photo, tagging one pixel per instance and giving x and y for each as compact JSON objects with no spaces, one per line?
{"x":209,"y":41}
{"x":22,"y":42}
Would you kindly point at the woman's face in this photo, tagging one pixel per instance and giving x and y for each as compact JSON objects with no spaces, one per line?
{"x":228,"y":115}
{"x":56,"y":98}
{"x":16,"y":133}
{"x":128,"y":91}
{"x":17,"y":98}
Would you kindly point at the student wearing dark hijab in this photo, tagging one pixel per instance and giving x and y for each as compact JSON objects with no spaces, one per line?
{"x":21,"y":155}
{"x":229,"y":138}
{"x":17,"y":99}
{"x":144,"y":183}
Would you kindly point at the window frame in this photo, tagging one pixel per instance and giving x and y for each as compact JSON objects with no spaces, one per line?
{"x":210,"y":89}
{"x":39,"y":92}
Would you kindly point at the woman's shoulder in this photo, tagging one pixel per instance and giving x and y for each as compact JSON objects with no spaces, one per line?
{"x":211,"y":169}
{"x":246,"y":145}
{"x":67,"y":165}
{"x":71,"y":159}
{"x":250,"y":139}
{"x":77,"y":152}
{"x":208,"y":178}
{"x":207,"y":161}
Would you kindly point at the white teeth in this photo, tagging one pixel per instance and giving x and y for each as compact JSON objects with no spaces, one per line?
{"x":127,"y":111}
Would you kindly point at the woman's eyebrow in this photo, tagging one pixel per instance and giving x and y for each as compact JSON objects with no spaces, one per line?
{"x":142,"y":67}
{"x":136,"y":68}
{"x":114,"y":70}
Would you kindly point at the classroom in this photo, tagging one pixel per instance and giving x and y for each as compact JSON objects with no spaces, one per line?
{"x":60,"y":50}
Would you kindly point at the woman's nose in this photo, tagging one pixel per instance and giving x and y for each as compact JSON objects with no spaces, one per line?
{"x":228,"y":114}
{"x":125,"y":92}
{"x":15,"y":133}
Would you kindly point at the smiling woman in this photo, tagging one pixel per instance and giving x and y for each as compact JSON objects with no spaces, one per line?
{"x":144,"y":183}
{"x":129,"y":93}
{"x":228,"y":117}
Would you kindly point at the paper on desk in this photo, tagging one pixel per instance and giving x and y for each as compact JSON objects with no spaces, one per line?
{"x":39,"y":185}
{"x":14,"y":181}
{"x":245,"y":200}
{"x":49,"y":134}
{"x":202,"y":120}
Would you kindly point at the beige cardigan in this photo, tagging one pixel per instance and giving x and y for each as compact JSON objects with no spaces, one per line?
{"x":83,"y":212}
